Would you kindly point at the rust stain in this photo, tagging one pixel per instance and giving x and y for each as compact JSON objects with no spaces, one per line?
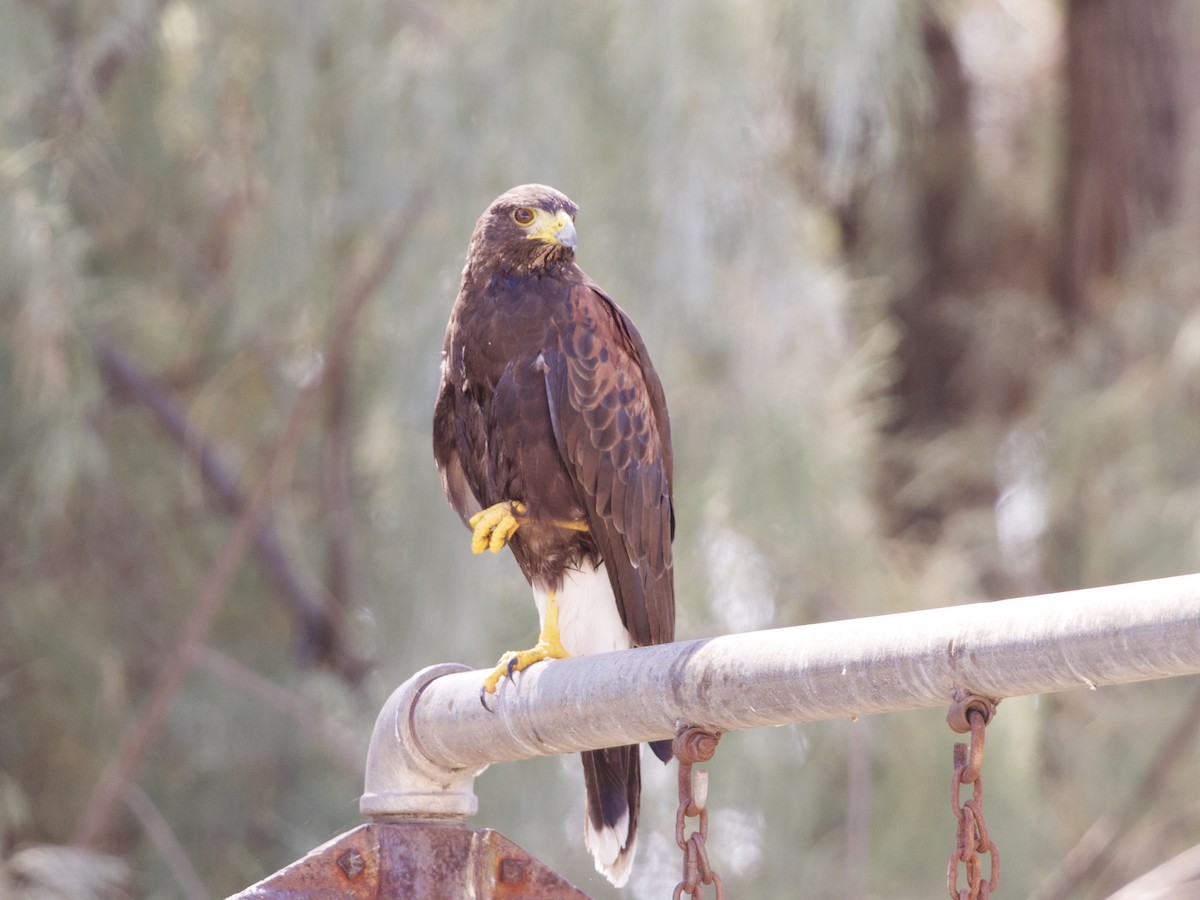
{"x":388,"y":860}
{"x":346,"y":867}
{"x":351,"y":863}
{"x":512,"y":871}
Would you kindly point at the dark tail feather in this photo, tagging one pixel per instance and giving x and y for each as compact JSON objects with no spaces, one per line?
{"x":613,"y":781}
{"x":662,"y":749}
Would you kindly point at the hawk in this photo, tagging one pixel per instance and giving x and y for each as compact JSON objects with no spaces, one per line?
{"x":552,"y":438}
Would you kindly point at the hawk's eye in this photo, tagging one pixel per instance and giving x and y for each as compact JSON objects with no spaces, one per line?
{"x":524,"y":216}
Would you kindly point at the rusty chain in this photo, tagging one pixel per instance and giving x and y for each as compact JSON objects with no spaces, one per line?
{"x":693,"y":745}
{"x":970,"y":713}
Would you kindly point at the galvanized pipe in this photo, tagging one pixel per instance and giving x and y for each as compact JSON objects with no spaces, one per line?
{"x":1007,"y":648}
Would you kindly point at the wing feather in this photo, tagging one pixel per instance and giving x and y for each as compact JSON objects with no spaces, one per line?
{"x":602,"y":501}
{"x":449,"y":434}
{"x":610,"y":420}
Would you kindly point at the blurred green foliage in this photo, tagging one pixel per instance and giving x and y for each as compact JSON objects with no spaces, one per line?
{"x":196,"y":185}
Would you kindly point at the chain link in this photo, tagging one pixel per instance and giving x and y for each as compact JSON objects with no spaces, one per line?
{"x":970,"y":713}
{"x":693,"y":745}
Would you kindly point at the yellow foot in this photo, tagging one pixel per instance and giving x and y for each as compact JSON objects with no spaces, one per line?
{"x":520,"y":660}
{"x":549,"y":646}
{"x":495,"y":525}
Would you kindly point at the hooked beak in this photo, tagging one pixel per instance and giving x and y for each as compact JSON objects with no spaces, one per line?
{"x":565,"y":235}
{"x":557,"y":229}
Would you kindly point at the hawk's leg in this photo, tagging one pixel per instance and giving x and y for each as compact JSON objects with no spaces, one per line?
{"x":549,"y":646}
{"x":495,"y":525}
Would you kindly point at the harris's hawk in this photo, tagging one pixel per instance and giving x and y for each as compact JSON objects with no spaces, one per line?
{"x":551,"y":436}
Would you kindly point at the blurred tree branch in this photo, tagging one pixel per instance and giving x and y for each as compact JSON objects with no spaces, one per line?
{"x":288,"y":703}
{"x":97,"y":813}
{"x":335,"y":491}
{"x":159,"y":829}
{"x":91,"y":70}
{"x":1093,"y":849}
{"x":124,"y":42}
{"x":125,"y":378}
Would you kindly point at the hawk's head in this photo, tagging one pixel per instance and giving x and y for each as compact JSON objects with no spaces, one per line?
{"x":524,"y":229}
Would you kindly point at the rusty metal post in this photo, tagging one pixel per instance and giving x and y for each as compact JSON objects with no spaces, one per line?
{"x":403,"y":860}
{"x":419,"y":844}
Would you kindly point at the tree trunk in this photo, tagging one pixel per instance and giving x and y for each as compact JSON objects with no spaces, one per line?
{"x":930,"y":347}
{"x":1123,"y":132}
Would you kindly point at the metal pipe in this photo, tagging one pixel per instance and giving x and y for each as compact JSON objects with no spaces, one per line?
{"x":1006,"y":648}
{"x":401,"y":781}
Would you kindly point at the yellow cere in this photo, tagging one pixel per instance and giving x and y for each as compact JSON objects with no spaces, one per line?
{"x":549,"y":228}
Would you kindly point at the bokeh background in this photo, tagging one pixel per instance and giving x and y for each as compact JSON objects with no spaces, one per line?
{"x":921,"y":282}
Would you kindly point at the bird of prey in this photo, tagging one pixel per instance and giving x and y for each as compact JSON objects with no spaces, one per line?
{"x":551,"y":436}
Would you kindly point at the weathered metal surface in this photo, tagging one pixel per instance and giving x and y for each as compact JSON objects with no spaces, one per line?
{"x":437,"y":861}
{"x":408,"y":860}
{"x":346,"y":867}
{"x":400,"y":779}
{"x":1056,"y":642}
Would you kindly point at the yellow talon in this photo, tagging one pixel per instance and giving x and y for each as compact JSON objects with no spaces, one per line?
{"x":495,"y":525}
{"x":549,"y":646}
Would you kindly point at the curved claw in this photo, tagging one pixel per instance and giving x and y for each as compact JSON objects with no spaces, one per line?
{"x":483,"y":695}
{"x":502,"y":668}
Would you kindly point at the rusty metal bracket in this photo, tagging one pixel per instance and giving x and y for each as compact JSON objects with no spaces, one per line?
{"x":415,"y":859}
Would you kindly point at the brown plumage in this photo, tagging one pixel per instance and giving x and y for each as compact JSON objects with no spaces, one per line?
{"x":548,"y":398}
